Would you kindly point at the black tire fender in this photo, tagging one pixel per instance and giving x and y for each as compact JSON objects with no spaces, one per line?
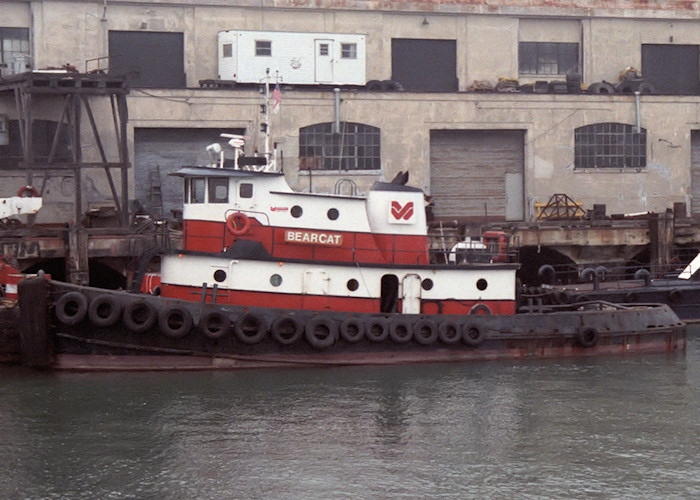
{"x":601,"y":88}
{"x":71,"y":308}
{"x":286,"y":329}
{"x":374,"y":85}
{"x":587,"y":336}
{"x":352,"y":330}
{"x":473,"y":334}
{"x":214,"y":325}
{"x":377,"y":329}
{"x":675,"y":295}
{"x":400,"y":330}
{"x":425,"y":331}
{"x":105,"y":310}
{"x":251,"y":328}
{"x":449,"y":332}
{"x":646,"y":88}
{"x":175,"y":321}
{"x":321,"y":332}
{"x":139,"y":316}
{"x":631,"y":297}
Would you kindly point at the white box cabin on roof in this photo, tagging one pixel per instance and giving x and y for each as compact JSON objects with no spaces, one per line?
{"x":292,"y":58}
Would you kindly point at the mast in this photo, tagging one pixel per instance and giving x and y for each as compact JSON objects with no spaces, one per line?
{"x":270,"y":154}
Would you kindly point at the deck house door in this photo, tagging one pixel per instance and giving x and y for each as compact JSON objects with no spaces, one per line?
{"x":410,"y":294}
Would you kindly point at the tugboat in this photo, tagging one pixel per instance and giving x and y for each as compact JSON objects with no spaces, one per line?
{"x":272,"y":277}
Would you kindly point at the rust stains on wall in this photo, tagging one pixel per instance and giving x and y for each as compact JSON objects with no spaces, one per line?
{"x":466,"y":6}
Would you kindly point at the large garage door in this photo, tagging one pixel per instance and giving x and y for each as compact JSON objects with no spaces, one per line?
{"x":169,"y":149}
{"x":695,"y":172}
{"x":477,"y":174}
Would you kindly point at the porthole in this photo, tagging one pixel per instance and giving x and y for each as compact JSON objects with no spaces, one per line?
{"x":333,"y":213}
{"x":275,"y":280}
{"x":296,"y":211}
{"x":481,"y":284}
{"x":353,"y":284}
{"x":219,"y":276}
{"x":427,"y":284}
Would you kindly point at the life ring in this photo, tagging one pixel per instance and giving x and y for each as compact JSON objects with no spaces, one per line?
{"x":321,"y":332}
{"x":480,"y":309}
{"x":400,"y":330}
{"x":31,"y":189}
{"x":104,"y":310}
{"x":449,"y":332}
{"x":588,"y":336}
{"x":175,"y":321}
{"x":675,"y":296}
{"x":251,"y":328}
{"x":71,"y":308}
{"x":352,"y":330}
{"x":425,"y":331}
{"x":139,"y":316}
{"x":238,"y":223}
{"x":286,"y":329}
{"x":377,"y":329}
{"x":472,"y":334}
{"x":214,"y":325}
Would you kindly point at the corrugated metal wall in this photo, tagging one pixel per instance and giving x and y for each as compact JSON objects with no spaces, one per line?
{"x":695,"y":171}
{"x":170,"y":149}
{"x":468,"y":171}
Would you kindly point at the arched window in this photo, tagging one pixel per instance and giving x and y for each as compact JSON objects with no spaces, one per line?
{"x":610,"y":145}
{"x":353,"y":147}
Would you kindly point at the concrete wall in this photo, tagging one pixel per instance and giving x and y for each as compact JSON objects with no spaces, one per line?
{"x":549,"y":122}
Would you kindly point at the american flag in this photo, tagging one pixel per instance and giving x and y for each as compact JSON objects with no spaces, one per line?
{"x":276,"y":98}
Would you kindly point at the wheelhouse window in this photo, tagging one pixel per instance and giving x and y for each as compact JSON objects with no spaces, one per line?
{"x":354,"y":146}
{"x":195,"y":190}
{"x":547,"y":58}
{"x":610,"y":145}
{"x":14,"y":48}
{"x":263,"y":48}
{"x":245,"y":190}
{"x":218,"y":190}
{"x":348,"y":51}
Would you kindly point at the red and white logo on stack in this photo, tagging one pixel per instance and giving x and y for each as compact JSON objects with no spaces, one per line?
{"x":401,"y":213}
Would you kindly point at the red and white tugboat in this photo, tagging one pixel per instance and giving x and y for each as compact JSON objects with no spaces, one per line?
{"x":271,"y":277}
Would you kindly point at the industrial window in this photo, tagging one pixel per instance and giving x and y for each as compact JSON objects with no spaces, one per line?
{"x":263,"y":48}
{"x":348,"y":51}
{"x":354,"y":146}
{"x":218,"y":190}
{"x":197,"y":187}
{"x":227,"y":50}
{"x":547,"y":58}
{"x":610,"y":145}
{"x":14,"y":49}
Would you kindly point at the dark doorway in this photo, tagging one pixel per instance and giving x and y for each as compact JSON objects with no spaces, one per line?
{"x":389,"y":302}
{"x":424,"y":65}
{"x":148,"y":59}
{"x":672,"y":69}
